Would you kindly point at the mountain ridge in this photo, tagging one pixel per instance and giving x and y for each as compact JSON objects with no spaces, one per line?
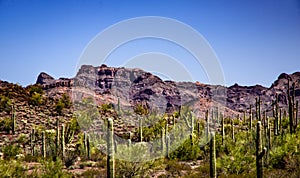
{"x":109,"y":84}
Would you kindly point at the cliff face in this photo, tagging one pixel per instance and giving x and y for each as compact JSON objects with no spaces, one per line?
{"x":132,"y":86}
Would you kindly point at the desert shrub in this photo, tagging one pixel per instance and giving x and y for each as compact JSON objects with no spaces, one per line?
{"x":137,"y":164}
{"x":11,"y":168}
{"x":5,"y":124}
{"x":5,"y":104}
{"x":141,"y":110}
{"x":49,"y":169}
{"x":36,"y":99}
{"x":187,"y":151}
{"x":62,"y":103}
{"x":10,"y":151}
{"x":106,"y":107}
{"x":35,"y":92}
{"x":175,"y":168}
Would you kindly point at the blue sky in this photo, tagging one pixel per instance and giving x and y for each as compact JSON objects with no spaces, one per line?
{"x":254,"y":40}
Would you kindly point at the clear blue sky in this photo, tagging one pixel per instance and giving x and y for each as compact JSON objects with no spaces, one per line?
{"x":255,"y":40}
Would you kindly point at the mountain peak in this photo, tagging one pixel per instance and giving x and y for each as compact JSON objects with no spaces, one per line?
{"x":44,"y":78}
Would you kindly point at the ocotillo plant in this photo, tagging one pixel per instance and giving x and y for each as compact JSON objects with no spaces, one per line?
{"x":110,"y":149}
{"x":13,"y":119}
{"x":213,"y":167}
{"x":259,"y":151}
{"x":44,"y":144}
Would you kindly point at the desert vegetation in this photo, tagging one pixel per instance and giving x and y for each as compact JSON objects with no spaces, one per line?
{"x":46,"y":137}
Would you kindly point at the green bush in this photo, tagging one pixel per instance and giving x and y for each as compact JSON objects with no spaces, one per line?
{"x":5,"y":124}
{"x":11,"y":151}
{"x":62,"y":103}
{"x":36,"y":99}
{"x":51,"y":169}
{"x":5,"y":104}
{"x":11,"y":168}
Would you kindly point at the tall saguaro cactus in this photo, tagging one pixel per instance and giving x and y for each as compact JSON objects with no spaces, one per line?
{"x":207,"y":125}
{"x":32,"y":139}
{"x":163,"y":141}
{"x":223,"y":129}
{"x":296,"y":115}
{"x":110,"y":149}
{"x":291,"y":107}
{"x":212,"y":153}
{"x":190,"y":123}
{"x":63,"y":141}
{"x":258,"y":108}
{"x":44,"y":144}
{"x":232,"y":130}
{"x":168,"y":143}
{"x":13,"y":119}
{"x":250,"y":118}
{"x":259,"y":151}
{"x":276,"y":115}
{"x":140,"y":129}
{"x":57,"y":137}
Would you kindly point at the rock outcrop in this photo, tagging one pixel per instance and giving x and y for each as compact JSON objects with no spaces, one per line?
{"x":134,"y":86}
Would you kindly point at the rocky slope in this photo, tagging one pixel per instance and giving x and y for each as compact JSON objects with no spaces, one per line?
{"x":135,"y":86}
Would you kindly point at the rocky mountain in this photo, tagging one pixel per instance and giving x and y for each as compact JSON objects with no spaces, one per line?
{"x":130,"y":87}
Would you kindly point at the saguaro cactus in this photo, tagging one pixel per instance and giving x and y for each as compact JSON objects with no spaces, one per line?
{"x":250,"y":118}
{"x":162,"y":147}
{"x":88,"y":145}
{"x":232,"y":130}
{"x":140,"y":129}
{"x":63,"y":141}
{"x":32,"y":139}
{"x":212,"y":153}
{"x":168,"y":142}
{"x":259,"y":151}
{"x":57,"y":137}
{"x":291,"y":107}
{"x":257,"y":107}
{"x":207,"y":125}
{"x":276,"y":114}
{"x":110,"y":149}
{"x":13,"y":119}
{"x":296,"y":116}
{"x":190,"y":123}
{"x":223,"y":129}
{"x":44,"y":144}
